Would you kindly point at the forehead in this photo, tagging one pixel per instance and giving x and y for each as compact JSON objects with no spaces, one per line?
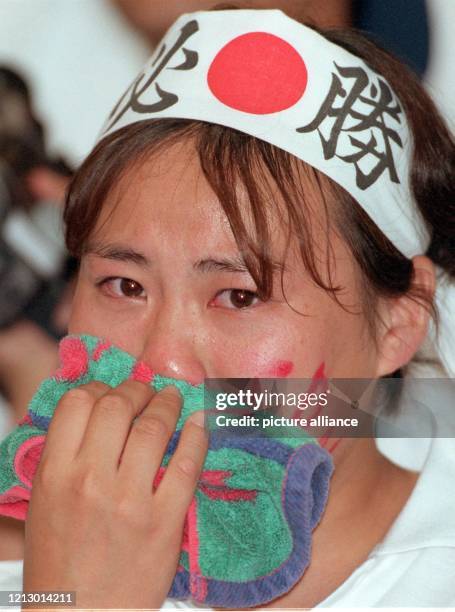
{"x":166,"y":196}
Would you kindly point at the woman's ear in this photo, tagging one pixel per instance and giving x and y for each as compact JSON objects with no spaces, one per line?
{"x":405,"y":321}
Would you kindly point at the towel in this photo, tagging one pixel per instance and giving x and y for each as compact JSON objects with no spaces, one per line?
{"x":248,"y":530}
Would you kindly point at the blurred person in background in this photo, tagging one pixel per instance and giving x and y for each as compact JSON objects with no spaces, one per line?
{"x":32,"y":260}
{"x":399,"y":25}
{"x":32,"y":252}
{"x":152,"y":19}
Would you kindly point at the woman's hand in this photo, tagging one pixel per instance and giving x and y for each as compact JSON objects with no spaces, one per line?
{"x":94,"y":525}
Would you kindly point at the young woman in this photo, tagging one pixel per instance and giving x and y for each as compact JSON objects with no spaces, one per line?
{"x":283,"y":212}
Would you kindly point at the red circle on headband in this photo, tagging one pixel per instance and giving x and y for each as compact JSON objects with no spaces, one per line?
{"x":258,"y":73}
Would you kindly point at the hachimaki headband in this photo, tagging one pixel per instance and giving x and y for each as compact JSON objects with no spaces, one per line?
{"x":265,"y":74}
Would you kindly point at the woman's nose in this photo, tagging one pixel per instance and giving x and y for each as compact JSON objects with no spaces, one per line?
{"x":171,"y":350}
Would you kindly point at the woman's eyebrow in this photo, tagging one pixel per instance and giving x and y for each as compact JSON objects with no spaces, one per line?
{"x":118,"y":252}
{"x":228,"y":264}
{"x":224,"y":264}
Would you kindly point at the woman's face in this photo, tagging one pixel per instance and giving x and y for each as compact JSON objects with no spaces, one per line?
{"x":164,"y":280}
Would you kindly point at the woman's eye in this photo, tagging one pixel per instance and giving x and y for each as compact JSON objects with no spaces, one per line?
{"x":123,"y":287}
{"x":237,"y":298}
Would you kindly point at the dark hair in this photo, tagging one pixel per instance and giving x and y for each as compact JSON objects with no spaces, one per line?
{"x":229,"y":158}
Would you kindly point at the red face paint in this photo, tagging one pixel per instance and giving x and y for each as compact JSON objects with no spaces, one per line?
{"x":319,"y":379}
{"x":319,"y":383}
{"x":281,"y":369}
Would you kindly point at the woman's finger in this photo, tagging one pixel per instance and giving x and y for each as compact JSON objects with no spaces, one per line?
{"x":109,"y":423}
{"x":148,"y":440}
{"x":68,"y":424}
{"x":175,"y":492}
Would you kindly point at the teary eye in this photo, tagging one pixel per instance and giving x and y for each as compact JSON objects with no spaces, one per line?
{"x":122,"y":287}
{"x":237,"y":298}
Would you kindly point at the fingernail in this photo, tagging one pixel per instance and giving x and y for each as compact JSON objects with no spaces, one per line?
{"x":198,"y":418}
{"x":172,"y":390}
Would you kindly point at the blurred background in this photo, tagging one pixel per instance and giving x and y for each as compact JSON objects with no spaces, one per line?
{"x":63,"y":64}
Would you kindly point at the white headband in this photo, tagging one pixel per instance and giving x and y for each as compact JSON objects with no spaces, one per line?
{"x":264,"y":74}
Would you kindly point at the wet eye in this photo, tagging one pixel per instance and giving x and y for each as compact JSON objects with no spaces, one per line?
{"x":237,"y":298}
{"x":123,"y":287}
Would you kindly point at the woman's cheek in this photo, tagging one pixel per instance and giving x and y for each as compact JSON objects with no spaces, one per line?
{"x":119,"y":328}
{"x":126,"y":337}
{"x":266,"y":357}
{"x":83,"y":319}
